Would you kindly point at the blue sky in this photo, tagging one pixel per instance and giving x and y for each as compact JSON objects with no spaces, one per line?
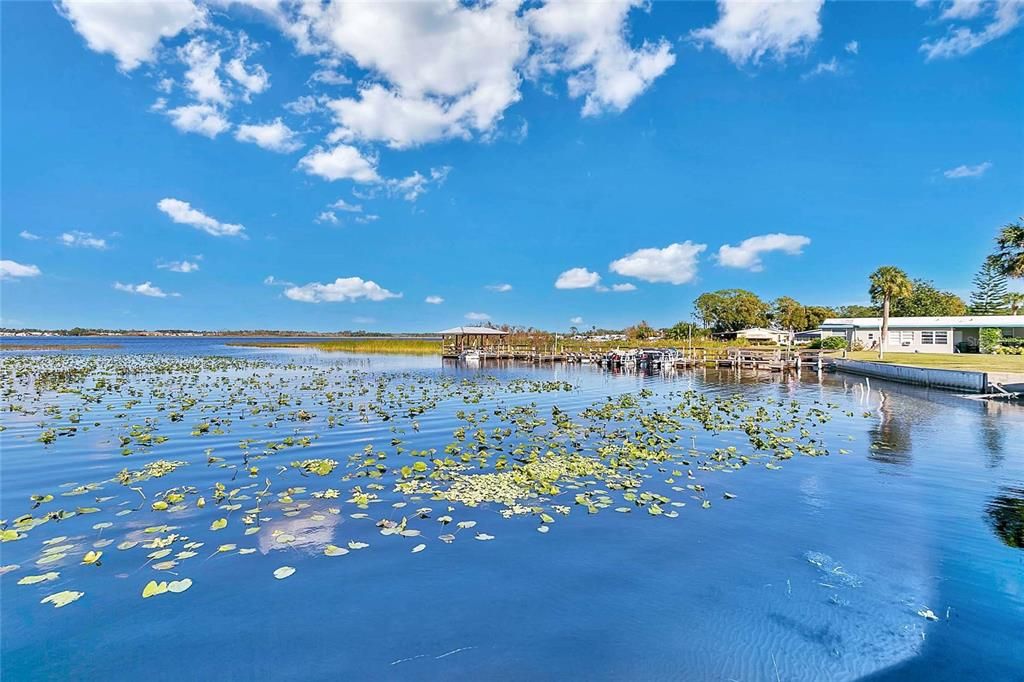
{"x":264,"y":164}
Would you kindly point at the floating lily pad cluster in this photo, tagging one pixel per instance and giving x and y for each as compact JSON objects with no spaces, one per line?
{"x":634,"y":452}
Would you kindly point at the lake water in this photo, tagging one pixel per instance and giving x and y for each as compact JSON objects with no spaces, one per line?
{"x":898,"y":555}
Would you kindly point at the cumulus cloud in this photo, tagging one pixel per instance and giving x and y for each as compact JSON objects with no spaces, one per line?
{"x":588,"y":40}
{"x":327,"y":217}
{"x":30,"y":236}
{"x":131,"y":31}
{"x":967,"y":171}
{"x":500,"y":288}
{"x":576,"y":320}
{"x":182,"y":212}
{"x":253,"y":79}
{"x":201,"y":78}
{"x":340,"y":163}
{"x":10,"y":269}
{"x":340,"y":290}
{"x":182,"y":266}
{"x":1005,"y":16}
{"x":577,"y":278}
{"x":202,"y":119}
{"x":853,"y":47}
{"x":625,"y":286}
{"x":433,"y":300}
{"x":748,"y":254}
{"x":144,"y":289}
{"x":675,"y":264}
{"x":275,"y":136}
{"x":748,"y":31}
{"x":342,"y":205}
{"x":410,"y":188}
{"x":478,"y":317}
{"x":84,"y":240}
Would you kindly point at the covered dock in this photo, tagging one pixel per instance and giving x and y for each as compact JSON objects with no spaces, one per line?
{"x":457,"y":340}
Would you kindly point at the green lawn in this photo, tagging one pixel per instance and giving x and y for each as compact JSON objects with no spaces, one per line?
{"x":965,"y":361}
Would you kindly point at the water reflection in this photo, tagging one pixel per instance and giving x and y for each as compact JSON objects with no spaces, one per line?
{"x":1006,"y":516}
{"x":890,"y":436}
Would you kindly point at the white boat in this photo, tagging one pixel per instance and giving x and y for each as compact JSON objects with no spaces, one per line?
{"x":470,"y":356}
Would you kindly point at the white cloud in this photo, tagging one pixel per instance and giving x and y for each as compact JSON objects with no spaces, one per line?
{"x":201,"y":79}
{"x":831,"y":66}
{"x":748,"y":254}
{"x":500,"y":288}
{"x":131,"y":31}
{"x":676,"y":263}
{"x":368,"y":218}
{"x":623,"y":287}
{"x":589,"y":40}
{"x":967,"y":171}
{"x":853,"y":47}
{"x":577,"y":278}
{"x":272,"y":281}
{"x":304,"y":105}
{"x":478,"y":317}
{"x":83,"y":239}
{"x":748,"y":31}
{"x":451,"y":67}
{"x":961,"y":40}
{"x":411,"y":187}
{"x":144,"y":289}
{"x":182,"y":212}
{"x":30,"y":236}
{"x":183,"y":266}
{"x":576,"y":320}
{"x":255,"y":80}
{"x":341,"y":162}
{"x":203,"y":119}
{"x":342,"y":205}
{"x":275,"y":136}
{"x":340,"y":290}
{"x":327,"y":217}
{"x":433,"y":300}
{"x":10,"y":269}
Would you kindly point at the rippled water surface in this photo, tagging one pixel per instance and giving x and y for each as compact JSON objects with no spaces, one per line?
{"x":899,"y":554}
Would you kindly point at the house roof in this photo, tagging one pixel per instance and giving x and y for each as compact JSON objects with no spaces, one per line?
{"x":483,"y":331}
{"x":763,"y":331}
{"x":898,"y":322}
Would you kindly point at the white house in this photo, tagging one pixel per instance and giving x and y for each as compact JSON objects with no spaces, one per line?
{"x":760,"y":335}
{"x":923,"y":334}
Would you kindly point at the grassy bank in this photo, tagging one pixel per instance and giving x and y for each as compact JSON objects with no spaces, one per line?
{"x":400,"y":346}
{"x":963,"y":361}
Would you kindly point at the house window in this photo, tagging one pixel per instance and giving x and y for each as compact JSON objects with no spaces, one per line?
{"x":901,"y":338}
{"x":934,"y":338}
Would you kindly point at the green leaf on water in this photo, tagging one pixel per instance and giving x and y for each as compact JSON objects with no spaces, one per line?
{"x":283,"y":572}
{"x":62,"y":599}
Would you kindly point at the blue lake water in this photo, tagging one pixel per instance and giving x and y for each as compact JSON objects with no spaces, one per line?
{"x":820,"y":567}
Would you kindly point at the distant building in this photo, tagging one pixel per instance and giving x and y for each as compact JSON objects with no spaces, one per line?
{"x":759,"y":335}
{"x":923,"y":334}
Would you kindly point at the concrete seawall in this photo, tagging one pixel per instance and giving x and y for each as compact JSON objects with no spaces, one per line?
{"x":958,"y":380}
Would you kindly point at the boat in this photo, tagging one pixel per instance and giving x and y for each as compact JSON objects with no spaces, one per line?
{"x":472,"y":356}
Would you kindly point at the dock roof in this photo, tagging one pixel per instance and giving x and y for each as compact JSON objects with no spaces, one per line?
{"x":465,"y":331}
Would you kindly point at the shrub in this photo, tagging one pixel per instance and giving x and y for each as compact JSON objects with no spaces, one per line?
{"x":857,"y":345}
{"x":989,"y":340}
{"x":833,"y":342}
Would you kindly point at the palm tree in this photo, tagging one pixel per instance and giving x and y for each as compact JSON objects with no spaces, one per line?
{"x":1009,"y":256}
{"x":887,"y":284}
{"x":1015,"y":301}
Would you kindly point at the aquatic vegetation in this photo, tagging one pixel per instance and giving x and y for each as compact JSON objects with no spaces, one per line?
{"x":658,"y":455}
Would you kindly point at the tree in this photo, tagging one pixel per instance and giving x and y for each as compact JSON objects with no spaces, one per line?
{"x":858,"y":311}
{"x":787,"y":313}
{"x":731,"y":310}
{"x":640,"y":331}
{"x":888,"y":284}
{"x":681,"y":331}
{"x":927,"y":301}
{"x":816,"y":314}
{"x":989,"y":295}
{"x":1009,"y":255}
{"x":1015,"y":301}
